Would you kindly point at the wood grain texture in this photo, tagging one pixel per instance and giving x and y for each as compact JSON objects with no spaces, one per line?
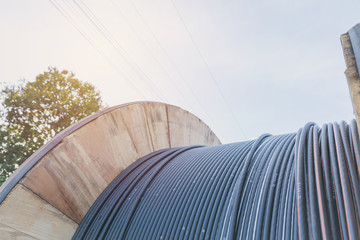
{"x":72,"y":175}
{"x":25,"y":212}
{"x":10,"y":233}
{"x":156,"y":117}
{"x":80,"y":167}
{"x":186,"y":129}
{"x":133,"y":117}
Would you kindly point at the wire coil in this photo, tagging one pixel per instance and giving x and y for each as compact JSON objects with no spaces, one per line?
{"x":293,"y":186}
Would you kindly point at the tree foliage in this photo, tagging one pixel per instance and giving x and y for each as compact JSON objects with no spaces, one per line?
{"x":34,"y":112}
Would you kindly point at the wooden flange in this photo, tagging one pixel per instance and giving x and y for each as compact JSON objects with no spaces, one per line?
{"x":48,"y":196}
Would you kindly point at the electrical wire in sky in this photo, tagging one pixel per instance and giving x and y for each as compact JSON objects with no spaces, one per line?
{"x":110,"y":40}
{"x":174,"y":84}
{"x":207,"y":67}
{"x":169,"y":59}
{"x":91,"y":19}
{"x":116,"y":45}
{"x":72,"y":21}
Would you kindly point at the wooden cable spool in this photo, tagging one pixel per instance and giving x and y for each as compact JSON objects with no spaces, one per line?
{"x":48,"y":196}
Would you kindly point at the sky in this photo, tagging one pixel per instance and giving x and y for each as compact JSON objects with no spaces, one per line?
{"x":245,"y":67}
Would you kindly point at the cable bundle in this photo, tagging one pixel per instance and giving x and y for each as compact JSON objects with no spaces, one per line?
{"x":293,"y":186}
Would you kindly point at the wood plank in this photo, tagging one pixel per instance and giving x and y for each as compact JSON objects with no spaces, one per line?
{"x":352,"y":75}
{"x":186,"y":129}
{"x":213,"y":139}
{"x":156,"y":117}
{"x":80,"y":168}
{"x":65,"y":185}
{"x":10,"y":233}
{"x":24,"y":211}
{"x":179,"y":129}
{"x":134,"y":118}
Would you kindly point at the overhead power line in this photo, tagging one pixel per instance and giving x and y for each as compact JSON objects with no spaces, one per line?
{"x":71,"y":20}
{"x":108,"y":37}
{"x":174,"y":84}
{"x":163,"y":49}
{"x":207,"y":66}
{"x":84,"y":12}
{"x":116,"y":45}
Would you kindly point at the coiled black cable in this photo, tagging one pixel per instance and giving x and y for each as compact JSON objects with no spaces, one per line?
{"x":294,"y":186}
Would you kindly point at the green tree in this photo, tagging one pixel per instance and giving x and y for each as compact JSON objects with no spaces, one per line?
{"x":34,"y":112}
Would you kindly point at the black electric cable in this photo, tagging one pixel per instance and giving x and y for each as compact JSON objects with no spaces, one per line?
{"x":292,"y":186}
